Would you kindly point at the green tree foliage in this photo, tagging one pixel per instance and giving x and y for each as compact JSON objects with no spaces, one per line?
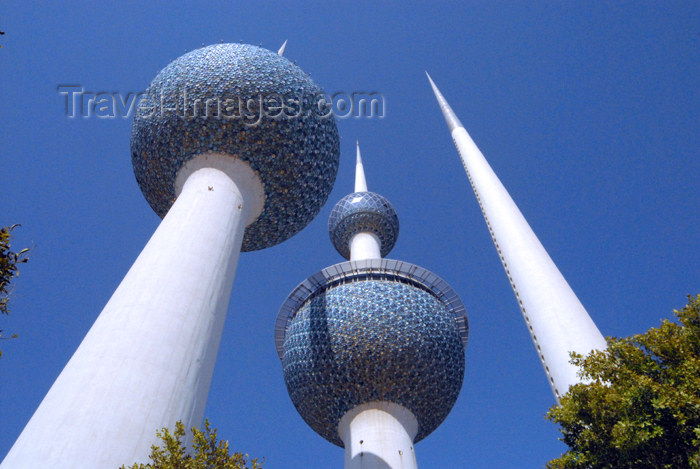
{"x":207,"y":452}
{"x":9,"y":261}
{"x":640,"y":405}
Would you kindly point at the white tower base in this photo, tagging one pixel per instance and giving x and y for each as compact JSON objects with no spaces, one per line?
{"x":379,"y":435}
{"x":148,"y":360}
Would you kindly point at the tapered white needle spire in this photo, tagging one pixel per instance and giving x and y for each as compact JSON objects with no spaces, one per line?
{"x":360,"y":181}
{"x":556,"y":320}
{"x":451,"y":118}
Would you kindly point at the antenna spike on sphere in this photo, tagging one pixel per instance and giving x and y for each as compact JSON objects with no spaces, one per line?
{"x":360,"y":180}
{"x":281,"y":51}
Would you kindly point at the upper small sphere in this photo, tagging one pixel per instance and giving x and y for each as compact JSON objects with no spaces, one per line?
{"x":363,"y":211}
{"x":251,"y":104}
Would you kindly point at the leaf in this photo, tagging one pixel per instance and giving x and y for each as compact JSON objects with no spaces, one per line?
{"x":641,"y":406}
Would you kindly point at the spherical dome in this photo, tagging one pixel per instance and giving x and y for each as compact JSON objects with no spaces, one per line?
{"x":363,"y":211}
{"x":373,"y":339}
{"x":253,"y":105}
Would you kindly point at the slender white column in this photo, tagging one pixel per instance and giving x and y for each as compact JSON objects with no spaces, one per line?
{"x":556,"y":319}
{"x":365,"y":245}
{"x":148,"y":359}
{"x":379,"y":435}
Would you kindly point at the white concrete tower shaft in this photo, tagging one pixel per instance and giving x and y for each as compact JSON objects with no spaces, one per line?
{"x":379,"y":435}
{"x":148,"y":360}
{"x":556,"y":319}
{"x":364,"y":245}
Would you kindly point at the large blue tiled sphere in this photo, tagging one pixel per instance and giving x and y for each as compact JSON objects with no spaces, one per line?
{"x":363,"y":211}
{"x":372,"y":340}
{"x":251,"y":104}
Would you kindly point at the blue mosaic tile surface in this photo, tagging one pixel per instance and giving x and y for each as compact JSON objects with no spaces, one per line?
{"x":200,"y":102}
{"x":373,"y":340}
{"x":363,"y":211}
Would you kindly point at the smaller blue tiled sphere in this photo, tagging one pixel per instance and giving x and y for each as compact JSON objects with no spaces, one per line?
{"x":363,"y":211}
{"x":373,"y":339}
{"x":252,"y":105}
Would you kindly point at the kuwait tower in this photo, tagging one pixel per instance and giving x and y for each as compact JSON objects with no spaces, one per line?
{"x":372,"y":349}
{"x":556,"y":320}
{"x":230,"y":150}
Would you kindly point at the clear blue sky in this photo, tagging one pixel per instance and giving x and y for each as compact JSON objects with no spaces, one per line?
{"x":589,"y":114}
